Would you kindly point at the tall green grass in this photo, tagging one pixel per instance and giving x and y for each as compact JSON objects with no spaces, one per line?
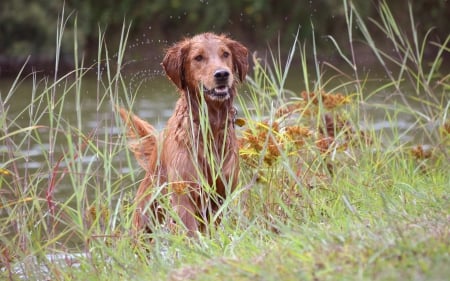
{"x":323,"y":194}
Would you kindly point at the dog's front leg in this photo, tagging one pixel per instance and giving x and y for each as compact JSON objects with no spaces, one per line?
{"x":186,"y":211}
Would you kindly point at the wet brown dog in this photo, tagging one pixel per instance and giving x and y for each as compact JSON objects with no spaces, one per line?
{"x":196,"y":156}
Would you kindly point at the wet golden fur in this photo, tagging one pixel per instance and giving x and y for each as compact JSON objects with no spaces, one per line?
{"x":180,"y":157}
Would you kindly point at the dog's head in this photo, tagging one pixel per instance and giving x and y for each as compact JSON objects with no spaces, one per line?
{"x":207,"y":63}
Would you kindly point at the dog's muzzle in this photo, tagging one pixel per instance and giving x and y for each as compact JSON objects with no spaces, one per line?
{"x":222,"y":90}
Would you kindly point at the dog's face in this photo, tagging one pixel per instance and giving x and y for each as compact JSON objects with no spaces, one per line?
{"x":208,"y":64}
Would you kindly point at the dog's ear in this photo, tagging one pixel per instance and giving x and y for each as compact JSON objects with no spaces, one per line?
{"x":173,"y":63}
{"x":240,"y":58}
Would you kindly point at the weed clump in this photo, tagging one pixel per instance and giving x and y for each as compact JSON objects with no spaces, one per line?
{"x":300,"y":127}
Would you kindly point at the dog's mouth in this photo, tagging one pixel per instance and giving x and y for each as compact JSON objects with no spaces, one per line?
{"x":218,"y":93}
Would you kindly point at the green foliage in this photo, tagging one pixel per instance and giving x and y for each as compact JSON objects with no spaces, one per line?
{"x":27,"y":27}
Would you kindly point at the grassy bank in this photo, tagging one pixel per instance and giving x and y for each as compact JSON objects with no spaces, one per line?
{"x":323,"y":194}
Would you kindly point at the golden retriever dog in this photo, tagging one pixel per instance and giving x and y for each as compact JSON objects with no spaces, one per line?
{"x":195,"y":158}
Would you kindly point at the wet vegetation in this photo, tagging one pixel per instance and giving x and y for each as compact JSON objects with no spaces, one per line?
{"x":323,"y":194}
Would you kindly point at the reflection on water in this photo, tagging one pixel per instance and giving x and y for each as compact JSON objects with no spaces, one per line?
{"x":39,"y":266}
{"x":153,"y":101}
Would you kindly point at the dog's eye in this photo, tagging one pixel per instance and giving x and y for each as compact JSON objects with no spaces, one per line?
{"x":226,"y":54}
{"x":198,"y":58}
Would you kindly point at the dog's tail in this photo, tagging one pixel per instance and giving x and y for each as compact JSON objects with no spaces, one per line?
{"x":143,"y":140}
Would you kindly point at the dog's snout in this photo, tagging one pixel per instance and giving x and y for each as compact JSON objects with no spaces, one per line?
{"x":221,"y":75}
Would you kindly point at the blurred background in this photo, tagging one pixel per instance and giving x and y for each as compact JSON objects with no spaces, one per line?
{"x":28,"y":27}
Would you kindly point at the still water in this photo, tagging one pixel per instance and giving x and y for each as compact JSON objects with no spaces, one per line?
{"x":153,"y":101}
{"x":33,"y":153}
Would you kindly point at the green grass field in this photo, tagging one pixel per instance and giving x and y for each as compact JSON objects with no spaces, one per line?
{"x":323,"y":194}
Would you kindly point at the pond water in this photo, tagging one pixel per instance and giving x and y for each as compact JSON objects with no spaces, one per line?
{"x":154,"y":102}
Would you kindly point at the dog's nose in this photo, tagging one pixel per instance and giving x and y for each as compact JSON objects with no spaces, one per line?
{"x":221,"y":75}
